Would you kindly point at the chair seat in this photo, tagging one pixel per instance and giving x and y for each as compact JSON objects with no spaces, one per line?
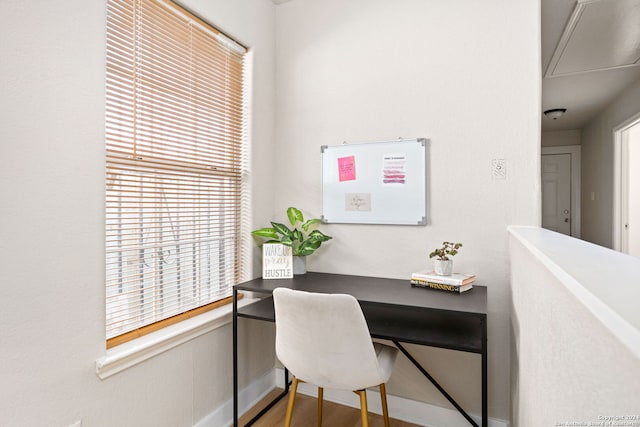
{"x":386,"y":358}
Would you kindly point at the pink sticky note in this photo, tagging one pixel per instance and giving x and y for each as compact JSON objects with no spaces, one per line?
{"x":347,"y":168}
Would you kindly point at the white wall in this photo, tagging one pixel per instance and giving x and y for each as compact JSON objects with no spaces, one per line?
{"x":52,"y":228}
{"x":371,"y":70}
{"x":576,"y":332}
{"x":560,"y":138}
{"x":598,"y":166}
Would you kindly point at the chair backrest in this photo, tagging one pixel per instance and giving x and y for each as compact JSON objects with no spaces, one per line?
{"x":323,"y":339}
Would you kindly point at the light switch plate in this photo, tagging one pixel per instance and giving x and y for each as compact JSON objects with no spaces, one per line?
{"x":499,"y":169}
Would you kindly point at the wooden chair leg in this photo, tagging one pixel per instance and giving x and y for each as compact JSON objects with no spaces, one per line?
{"x":385,"y":410}
{"x":320,"y":397}
{"x":364,"y":411}
{"x":292,"y":399}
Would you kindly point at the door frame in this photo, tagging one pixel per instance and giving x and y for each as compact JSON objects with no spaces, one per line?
{"x":575,"y":152}
{"x":620,"y":172}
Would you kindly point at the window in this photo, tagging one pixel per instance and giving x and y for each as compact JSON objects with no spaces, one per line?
{"x":174,"y":159}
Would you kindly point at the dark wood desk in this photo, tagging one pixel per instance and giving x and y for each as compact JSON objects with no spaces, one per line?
{"x":394,"y":311}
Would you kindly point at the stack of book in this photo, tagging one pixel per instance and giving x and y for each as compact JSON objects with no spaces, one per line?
{"x":456,"y":282}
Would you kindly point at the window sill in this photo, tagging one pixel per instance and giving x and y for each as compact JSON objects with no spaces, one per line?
{"x":129,"y":354}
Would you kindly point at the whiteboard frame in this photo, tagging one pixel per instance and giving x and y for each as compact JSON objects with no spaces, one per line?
{"x":397,"y":203}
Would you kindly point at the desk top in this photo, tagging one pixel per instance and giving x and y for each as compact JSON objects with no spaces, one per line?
{"x":376,"y":290}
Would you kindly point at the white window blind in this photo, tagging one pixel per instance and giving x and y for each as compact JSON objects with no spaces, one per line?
{"x":174,"y":150}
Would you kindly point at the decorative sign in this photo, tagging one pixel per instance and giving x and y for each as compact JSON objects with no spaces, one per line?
{"x":277,"y":261}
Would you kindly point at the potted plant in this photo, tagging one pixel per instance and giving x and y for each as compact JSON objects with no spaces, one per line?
{"x":303,"y":239}
{"x":443,"y":264}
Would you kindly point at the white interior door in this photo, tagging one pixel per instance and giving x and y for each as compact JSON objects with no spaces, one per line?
{"x":556,"y":192}
{"x":630,"y":189}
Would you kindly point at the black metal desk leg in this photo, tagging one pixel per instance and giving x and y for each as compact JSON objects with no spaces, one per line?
{"x":273,"y":402}
{"x":485,"y":399}
{"x":235,"y":373}
{"x":235,"y":358}
{"x":436,"y":384}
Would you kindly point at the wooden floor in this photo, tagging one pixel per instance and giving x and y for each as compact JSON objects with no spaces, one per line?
{"x":305,"y":414}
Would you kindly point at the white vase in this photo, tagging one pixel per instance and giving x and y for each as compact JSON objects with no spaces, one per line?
{"x":299,"y":265}
{"x":443,"y":267}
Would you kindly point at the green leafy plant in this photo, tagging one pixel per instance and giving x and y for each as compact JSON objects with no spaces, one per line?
{"x":447,"y":250}
{"x":303,"y":240}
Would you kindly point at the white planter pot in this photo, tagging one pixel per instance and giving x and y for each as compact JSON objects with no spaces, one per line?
{"x":299,"y":265}
{"x":443,"y":267}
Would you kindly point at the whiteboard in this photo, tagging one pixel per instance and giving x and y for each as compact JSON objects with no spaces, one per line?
{"x":375,"y":183}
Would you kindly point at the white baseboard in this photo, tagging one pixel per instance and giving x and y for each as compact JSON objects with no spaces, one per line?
{"x":400,"y":408}
{"x":247,"y":398}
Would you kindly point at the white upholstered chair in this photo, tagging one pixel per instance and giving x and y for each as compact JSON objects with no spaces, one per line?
{"x":323,"y":339}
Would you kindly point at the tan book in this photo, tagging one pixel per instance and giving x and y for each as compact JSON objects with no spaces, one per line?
{"x":453,"y":279}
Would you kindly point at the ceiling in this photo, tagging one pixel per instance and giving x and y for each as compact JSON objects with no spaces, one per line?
{"x":590,"y":54}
